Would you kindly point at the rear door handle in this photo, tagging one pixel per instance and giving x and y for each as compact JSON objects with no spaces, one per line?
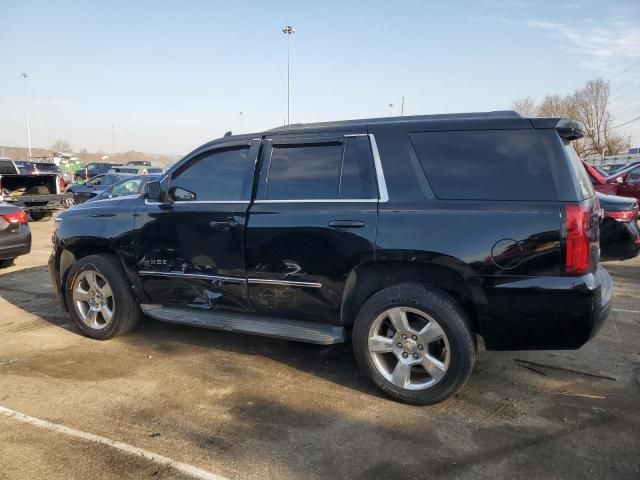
{"x":346,"y":224}
{"x":223,"y":226}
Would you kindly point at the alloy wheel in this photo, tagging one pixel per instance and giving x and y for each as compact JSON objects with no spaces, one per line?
{"x":409,"y":348}
{"x":93,"y":299}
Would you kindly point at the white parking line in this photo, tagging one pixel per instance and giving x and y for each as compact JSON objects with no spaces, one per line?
{"x":624,"y":311}
{"x":185,"y":468}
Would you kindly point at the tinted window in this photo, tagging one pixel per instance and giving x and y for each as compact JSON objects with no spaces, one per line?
{"x":215,"y":175}
{"x":358,"y":172}
{"x":309,"y":171}
{"x":485,"y":165}
{"x":6,"y":167}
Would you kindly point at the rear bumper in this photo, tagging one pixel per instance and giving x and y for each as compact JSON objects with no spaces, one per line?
{"x":15,"y":244}
{"x":34,"y":203}
{"x":545,"y":312}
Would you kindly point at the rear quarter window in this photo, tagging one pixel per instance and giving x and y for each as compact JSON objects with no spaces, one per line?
{"x":485,"y":165}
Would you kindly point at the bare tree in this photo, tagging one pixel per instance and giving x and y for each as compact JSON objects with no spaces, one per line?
{"x":557,"y":106}
{"x":590,"y":106}
{"x":525,"y":106}
{"x":61,"y":146}
{"x":592,"y":110}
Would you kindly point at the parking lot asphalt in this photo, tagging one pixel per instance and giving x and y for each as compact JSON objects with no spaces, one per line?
{"x":241,"y":406}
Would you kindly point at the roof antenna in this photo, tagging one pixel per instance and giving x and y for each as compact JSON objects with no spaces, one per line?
{"x":228,"y":134}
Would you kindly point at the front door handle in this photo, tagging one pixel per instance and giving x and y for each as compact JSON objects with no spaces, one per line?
{"x":346,"y":224}
{"x":223,"y":226}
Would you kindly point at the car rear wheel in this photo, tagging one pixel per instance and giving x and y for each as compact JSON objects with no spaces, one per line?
{"x":99,"y":297}
{"x":415,"y":343}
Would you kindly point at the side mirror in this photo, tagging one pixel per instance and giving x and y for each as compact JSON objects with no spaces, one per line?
{"x":178,"y":194}
{"x":619,"y":180}
{"x":152,"y":191}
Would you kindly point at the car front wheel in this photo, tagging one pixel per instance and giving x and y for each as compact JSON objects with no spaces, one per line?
{"x":415,"y":342}
{"x":99,"y":297}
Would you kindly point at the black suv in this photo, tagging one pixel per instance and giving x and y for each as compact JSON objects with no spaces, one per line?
{"x":410,"y":236}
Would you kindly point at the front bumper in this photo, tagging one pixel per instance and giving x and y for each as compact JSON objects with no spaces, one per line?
{"x":544,"y":313}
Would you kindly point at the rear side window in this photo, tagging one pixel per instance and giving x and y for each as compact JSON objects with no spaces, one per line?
{"x":338,"y":169}
{"x":485,"y":165}
{"x":7,"y":168}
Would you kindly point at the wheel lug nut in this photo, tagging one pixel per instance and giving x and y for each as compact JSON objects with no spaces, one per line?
{"x":415,"y":355}
{"x":413,"y":337}
{"x":399,"y":345}
{"x":405,"y":354}
{"x":420,"y":347}
{"x":404,"y":337}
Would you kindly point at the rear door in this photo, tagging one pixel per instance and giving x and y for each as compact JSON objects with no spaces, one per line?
{"x":313,"y":220}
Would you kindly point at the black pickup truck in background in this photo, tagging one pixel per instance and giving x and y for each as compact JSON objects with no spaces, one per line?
{"x":39,"y":194}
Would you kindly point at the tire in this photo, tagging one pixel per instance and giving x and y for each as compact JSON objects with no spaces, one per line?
{"x":6,"y":262}
{"x":41,"y":216}
{"x":438,"y":349}
{"x":123,"y":305}
{"x":38,"y":190}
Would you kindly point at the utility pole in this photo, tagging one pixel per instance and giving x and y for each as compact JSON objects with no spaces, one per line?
{"x":113,"y":140}
{"x":288,"y":30}
{"x":24,"y":75}
{"x":402,"y":107}
{"x":241,"y":123}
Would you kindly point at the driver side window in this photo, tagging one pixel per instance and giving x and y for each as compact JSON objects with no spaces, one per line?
{"x":634,"y":175}
{"x":216,"y":175}
{"x":95,"y":181}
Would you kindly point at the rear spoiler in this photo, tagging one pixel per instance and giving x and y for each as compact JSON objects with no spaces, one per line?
{"x":567,"y":129}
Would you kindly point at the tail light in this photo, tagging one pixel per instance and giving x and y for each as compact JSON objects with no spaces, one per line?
{"x":16,"y":217}
{"x":61,"y":183}
{"x":623,"y":216}
{"x":578,"y":227}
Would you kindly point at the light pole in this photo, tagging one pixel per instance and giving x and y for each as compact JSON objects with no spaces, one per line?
{"x":391,"y":105}
{"x":288,"y":30}
{"x":26,"y":110}
{"x":241,"y":122}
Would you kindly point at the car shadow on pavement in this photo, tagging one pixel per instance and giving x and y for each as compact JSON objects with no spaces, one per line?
{"x":248,"y":409}
{"x":30,"y":290}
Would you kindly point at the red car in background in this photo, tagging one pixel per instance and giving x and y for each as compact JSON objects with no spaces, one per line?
{"x":623,"y":183}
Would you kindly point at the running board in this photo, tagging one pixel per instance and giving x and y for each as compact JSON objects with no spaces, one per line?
{"x":286,"y":329}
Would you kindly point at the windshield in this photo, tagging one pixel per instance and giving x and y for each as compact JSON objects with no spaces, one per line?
{"x":24,"y":168}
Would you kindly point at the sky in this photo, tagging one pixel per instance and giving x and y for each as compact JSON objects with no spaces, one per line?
{"x":165,"y":77}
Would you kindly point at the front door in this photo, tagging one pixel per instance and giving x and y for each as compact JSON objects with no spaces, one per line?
{"x":190,"y":249}
{"x":312,"y":222}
